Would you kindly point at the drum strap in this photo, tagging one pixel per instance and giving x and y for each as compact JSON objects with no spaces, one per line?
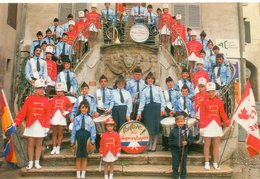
{"x":99,"y":99}
{"x":34,"y":69}
{"x":63,"y":80}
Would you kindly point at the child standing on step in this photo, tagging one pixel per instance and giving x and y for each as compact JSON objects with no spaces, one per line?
{"x":110,"y":147}
{"x":83,"y":129}
{"x":60,"y":107}
{"x":179,"y":139}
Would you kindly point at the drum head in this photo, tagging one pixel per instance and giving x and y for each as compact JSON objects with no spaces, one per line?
{"x":191,"y":121}
{"x":134,"y":137}
{"x":168,"y":121}
{"x":102,"y":118}
{"x":139,"y":33}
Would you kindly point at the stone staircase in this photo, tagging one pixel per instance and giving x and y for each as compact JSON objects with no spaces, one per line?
{"x":148,"y":164}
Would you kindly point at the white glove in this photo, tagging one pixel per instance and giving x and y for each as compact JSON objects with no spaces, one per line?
{"x":118,"y":155}
{"x":86,"y":40}
{"x":202,"y":130}
{"x":65,"y":113}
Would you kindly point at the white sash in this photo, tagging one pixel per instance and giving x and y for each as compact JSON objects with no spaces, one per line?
{"x":180,"y":84}
{"x":216,"y":74}
{"x":99,"y":99}
{"x":63,"y":80}
{"x":167,"y":99}
{"x":34,"y":69}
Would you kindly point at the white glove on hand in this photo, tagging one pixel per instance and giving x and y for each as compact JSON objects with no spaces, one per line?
{"x":202,"y":131}
{"x":65,"y":113}
{"x":118,"y":155}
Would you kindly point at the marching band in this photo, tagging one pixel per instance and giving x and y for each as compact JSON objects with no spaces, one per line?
{"x":193,"y":96}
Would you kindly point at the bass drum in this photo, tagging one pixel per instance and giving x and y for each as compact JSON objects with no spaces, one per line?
{"x":134,"y":137}
{"x":139,"y":33}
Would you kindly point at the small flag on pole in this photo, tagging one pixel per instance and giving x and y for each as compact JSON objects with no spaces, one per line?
{"x":8,"y":129}
{"x":245,"y":115}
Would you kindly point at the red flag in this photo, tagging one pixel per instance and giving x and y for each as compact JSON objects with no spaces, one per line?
{"x":245,"y":115}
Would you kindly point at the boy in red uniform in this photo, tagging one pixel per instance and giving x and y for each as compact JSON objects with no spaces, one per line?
{"x":51,"y":66}
{"x":72,"y":33}
{"x":164,"y":25}
{"x":110,"y":147}
{"x":94,"y":23}
{"x":37,"y":113}
{"x":60,"y":107}
{"x":200,"y":73}
{"x":195,"y":47}
{"x":212,"y":114}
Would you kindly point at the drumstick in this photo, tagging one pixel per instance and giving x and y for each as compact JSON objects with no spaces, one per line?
{"x":142,"y":132}
{"x":100,"y":164}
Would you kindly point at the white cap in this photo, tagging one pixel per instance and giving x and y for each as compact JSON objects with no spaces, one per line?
{"x":49,"y":49}
{"x":193,"y":33}
{"x":39,"y":83}
{"x":94,"y":5}
{"x":81,"y":14}
{"x":200,"y":61}
{"x":202,"y":81}
{"x":210,"y":86}
{"x":165,"y":6}
{"x":72,"y":22}
{"x":178,"y":16}
{"x":59,"y":86}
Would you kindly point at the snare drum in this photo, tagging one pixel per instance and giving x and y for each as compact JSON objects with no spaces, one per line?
{"x":99,"y":121}
{"x":193,"y":125}
{"x":167,"y":125}
{"x":72,"y":99}
{"x":139,"y":33}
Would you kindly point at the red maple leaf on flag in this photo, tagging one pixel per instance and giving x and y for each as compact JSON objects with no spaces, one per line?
{"x":243,"y":114}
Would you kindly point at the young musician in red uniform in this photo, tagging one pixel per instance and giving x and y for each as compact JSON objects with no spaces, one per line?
{"x":60,"y":107}
{"x":195,"y":47}
{"x":212,"y":114}
{"x":110,"y":147}
{"x":72,"y":33}
{"x":94,"y":23}
{"x":37,"y":114}
{"x":200,"y":73}
{"x":165,"y":24}
{"x":51,"y":66}
{"x":179,"y":28}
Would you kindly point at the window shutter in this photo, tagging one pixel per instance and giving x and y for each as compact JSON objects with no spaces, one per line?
{"x":12,"y":15}
{"x":247,"y":32}
{"x":180,"y":8}
{"x":194,"y":15}
{"x":65,"y":9}
{"x":79,"y":7}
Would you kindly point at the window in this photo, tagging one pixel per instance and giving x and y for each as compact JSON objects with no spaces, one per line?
{"x":12,"y":15}
{"x":190,"y":12}
{"x":69,"y":8}
{"x":247,"y":31}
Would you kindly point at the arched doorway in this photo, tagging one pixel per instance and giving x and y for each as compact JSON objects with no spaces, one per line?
{"x":251,"y":74}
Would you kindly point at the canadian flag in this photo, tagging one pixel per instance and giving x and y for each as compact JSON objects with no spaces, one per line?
{"x":246,"y":116}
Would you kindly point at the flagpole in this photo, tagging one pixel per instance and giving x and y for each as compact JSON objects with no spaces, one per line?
{"x":17,"y":136}
{"x":225,"y":146}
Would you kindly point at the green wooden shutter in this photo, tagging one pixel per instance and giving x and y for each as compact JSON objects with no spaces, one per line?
{"x":180,"y":8}
{"x":247,"y":32}
{"x":79,"y":7}
{"x":194,"y":15}
{"x":64,"y":10}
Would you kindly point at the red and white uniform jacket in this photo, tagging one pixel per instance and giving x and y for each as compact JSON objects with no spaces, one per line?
{"x":110,"y":141}
{"x":165,"y":19}
{"x":181,"y":31}
{"x":71,"y":36}
{"x":198,"y":99}
{"x":95,"y":18}
{"x":34,"y":108}
{"x":79,"y":26}
{"x":51,"y":69}
{"x":212,"y":109}
{"x":61,"y":103}
{"x":194,"y":46}
{"x":199,"y":74}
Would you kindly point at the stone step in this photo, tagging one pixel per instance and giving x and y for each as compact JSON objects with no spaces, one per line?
{"x":66,"y":158}
{"x":132,"y":170}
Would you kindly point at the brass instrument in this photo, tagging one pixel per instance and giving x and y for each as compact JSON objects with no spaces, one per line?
{"x":59,"y":61}
{"x":112,"y":34}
